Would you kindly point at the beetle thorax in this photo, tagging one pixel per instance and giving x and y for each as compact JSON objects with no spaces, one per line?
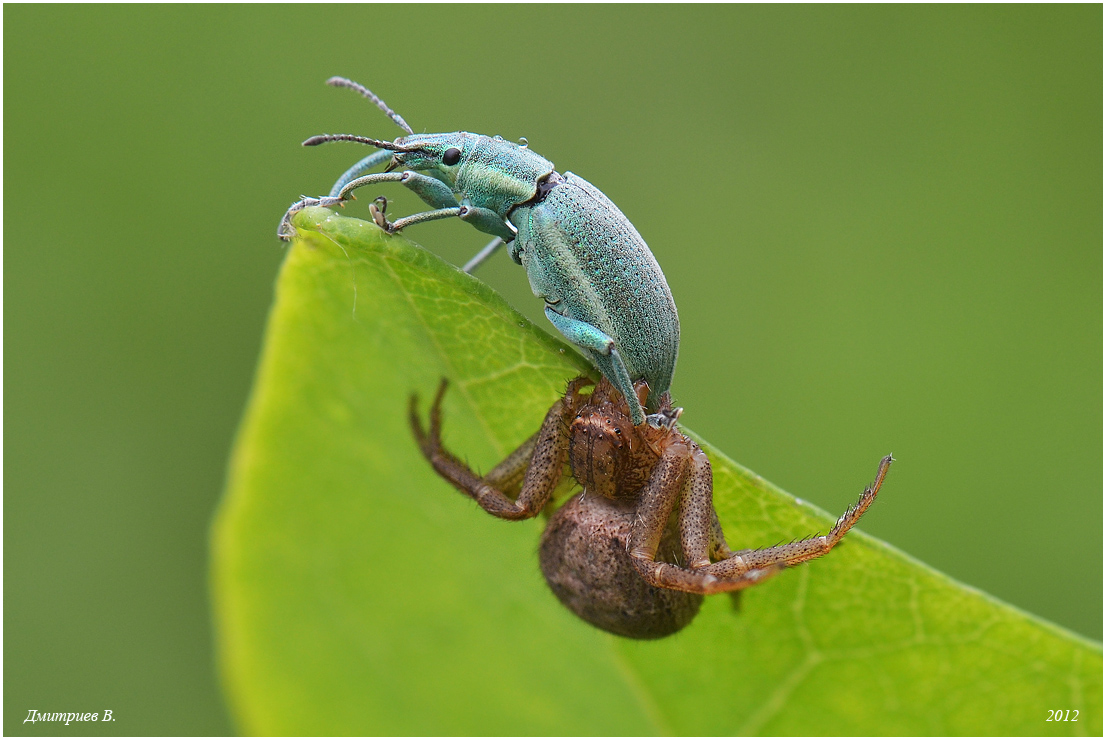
{"x":499,"y":174}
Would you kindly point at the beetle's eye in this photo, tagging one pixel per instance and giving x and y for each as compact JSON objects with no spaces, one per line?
{"x":452,"y":156}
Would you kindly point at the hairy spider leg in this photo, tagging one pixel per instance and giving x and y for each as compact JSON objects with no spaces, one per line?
{"x":803,"y":550}
{"x":683,"y":475}
{"x":538,"y":464}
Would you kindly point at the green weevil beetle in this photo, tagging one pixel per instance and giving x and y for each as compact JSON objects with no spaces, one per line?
{"x":602,"y":287}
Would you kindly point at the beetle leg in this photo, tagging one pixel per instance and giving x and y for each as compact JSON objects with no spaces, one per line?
{"x":483,"y":255}
{"x":603,"y":352}
{"x":488,"y":221}
{"x":432,"y":191}
{"x":803,"y":550}
{"x":539,"y":462}
{"x":286,"y":230}
{"x":357,"y":170}
{"x":419,"y":218}
{"x":346,"y":193}
{"x":436,"y":193}
{"x":377,"y":209}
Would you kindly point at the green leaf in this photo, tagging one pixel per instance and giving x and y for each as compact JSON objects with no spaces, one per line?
{"x":358,"y":593}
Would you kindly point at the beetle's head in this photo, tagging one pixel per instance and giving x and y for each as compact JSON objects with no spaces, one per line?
{"x":436,"y":154}
{"x":494,"y":173}
{"x":440,"y":154}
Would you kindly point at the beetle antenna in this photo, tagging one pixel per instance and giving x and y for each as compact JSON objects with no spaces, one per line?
{"x":366,"y":92}
{"x":324,"y":138}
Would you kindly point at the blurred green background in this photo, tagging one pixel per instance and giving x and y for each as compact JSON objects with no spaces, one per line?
{"x":882,"y":226}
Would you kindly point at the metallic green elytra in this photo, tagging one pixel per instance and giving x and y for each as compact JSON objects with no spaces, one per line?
{"x":602,"y":287}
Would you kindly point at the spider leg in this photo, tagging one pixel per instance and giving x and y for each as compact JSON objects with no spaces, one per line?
{"x":719,"y":550}
{"x":803,"y":550}
{"x":697,"y":510}
{"x":682,"y":472}
{"x":535,"y":468}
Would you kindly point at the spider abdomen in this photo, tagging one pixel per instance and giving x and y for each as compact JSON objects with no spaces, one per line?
{"x":585,"y":560}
